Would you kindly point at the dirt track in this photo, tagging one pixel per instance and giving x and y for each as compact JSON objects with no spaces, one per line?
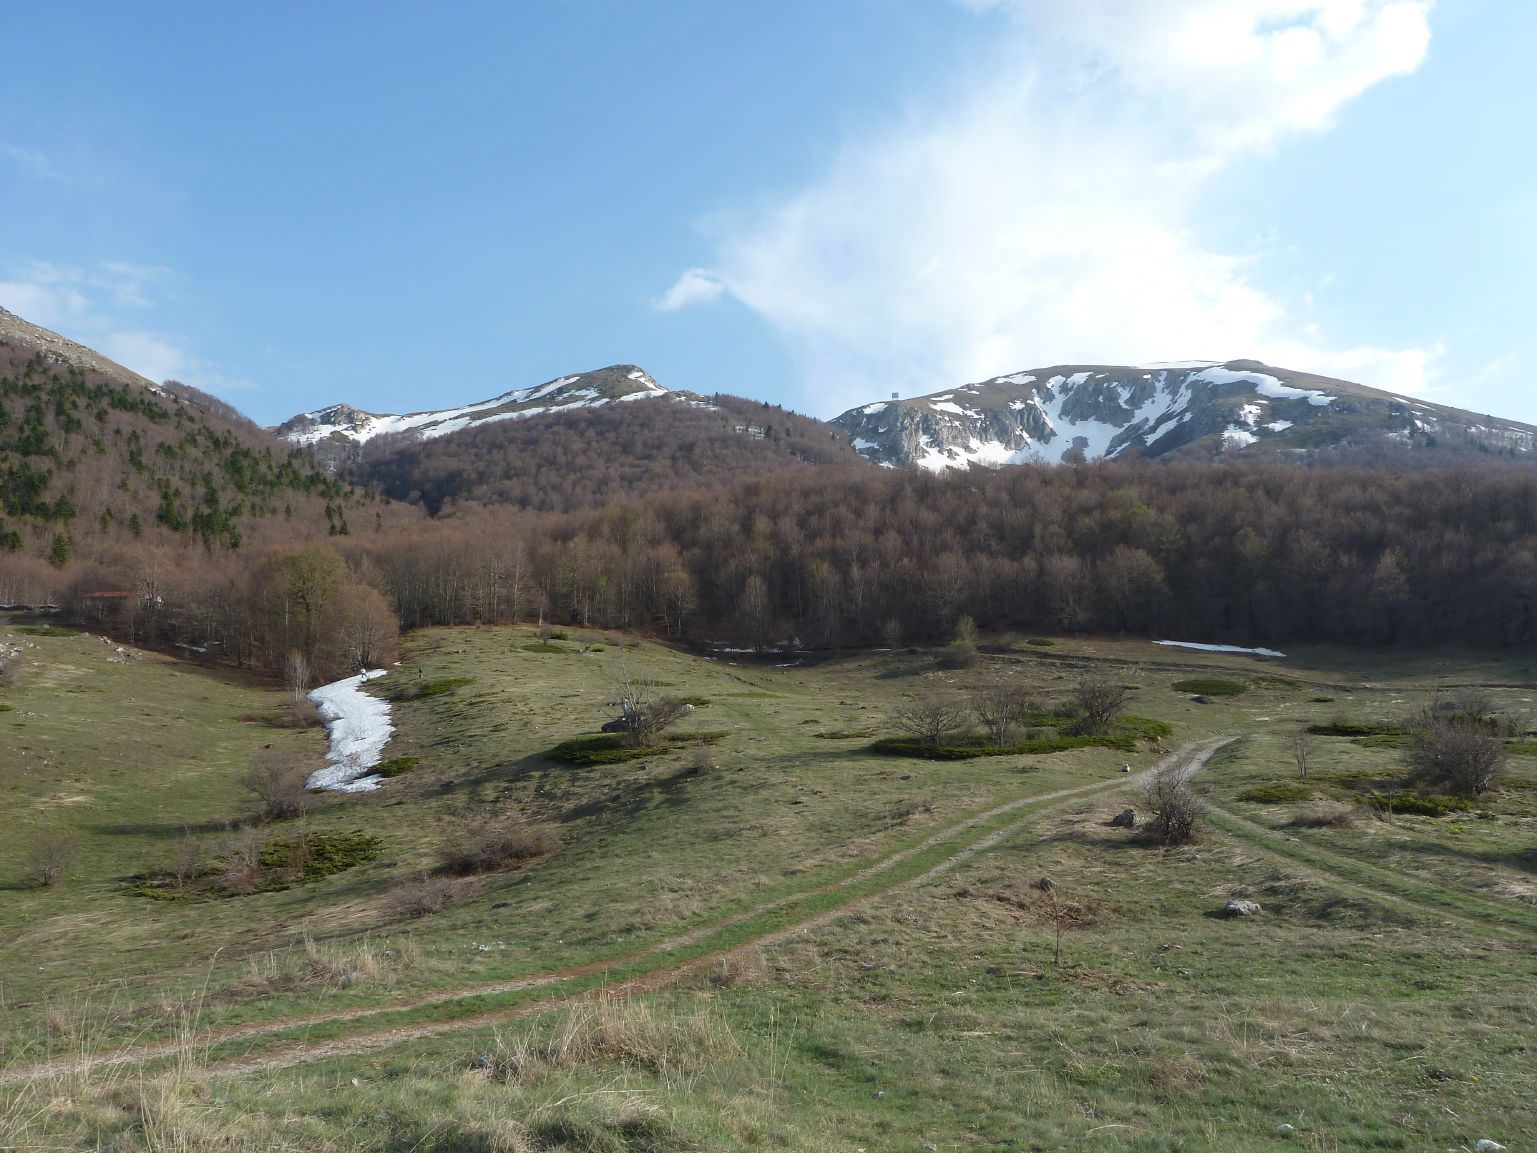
{"x":300,"y":1051}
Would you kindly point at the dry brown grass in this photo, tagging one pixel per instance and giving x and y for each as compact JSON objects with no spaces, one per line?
{"x":1327,"y":815}
{"x":664,"y":1041}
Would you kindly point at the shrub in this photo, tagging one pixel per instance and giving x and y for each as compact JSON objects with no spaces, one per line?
{"x":1419,"y":804}
{"x":998,"y":707}
{"x":276,"y":777}
{"x":396,"y":766}
{"x":1461,"y":755}
{"x":1041,"y":642}
{"x":319,"y":854}
{"x":1326,"y":815}
{"x":611,"y":748}
{"x":1098,"y":702}
{"x":497,"y":845}
{"x":1174,"y":807}
{"x":421,"y":897}
{"x":1344,"y":728}
{"x":1210,"y":687}
{"x":418,"y":689}
{"x":50,"y":858}
{"x":929,"y":720}
{"x":700,"y":760}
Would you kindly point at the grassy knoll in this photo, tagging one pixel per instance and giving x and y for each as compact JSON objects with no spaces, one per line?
{"x":768,"y":986}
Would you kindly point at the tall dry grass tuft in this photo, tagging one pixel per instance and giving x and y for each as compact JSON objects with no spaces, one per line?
{"x":666,"y":1040}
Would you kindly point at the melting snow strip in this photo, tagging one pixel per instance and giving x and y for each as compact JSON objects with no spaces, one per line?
{"x":1219,"y":648}
{"x":360,"y":728}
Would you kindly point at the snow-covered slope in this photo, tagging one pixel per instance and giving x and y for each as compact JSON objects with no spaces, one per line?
{"x":1085,"y":412}
{"x":345,"y":426}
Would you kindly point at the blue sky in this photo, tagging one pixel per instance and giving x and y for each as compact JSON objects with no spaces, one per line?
{"x":409,"y":206}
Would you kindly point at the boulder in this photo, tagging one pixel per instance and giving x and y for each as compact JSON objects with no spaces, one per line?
{"x":1238,"y":907}
{"x":1125,"y":819}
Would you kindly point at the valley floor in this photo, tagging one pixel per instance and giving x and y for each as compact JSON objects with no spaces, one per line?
{"x":774,"y":940}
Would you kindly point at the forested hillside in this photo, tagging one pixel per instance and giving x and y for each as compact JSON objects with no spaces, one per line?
{"x":593,"y":456}
{"x":94,"y":460}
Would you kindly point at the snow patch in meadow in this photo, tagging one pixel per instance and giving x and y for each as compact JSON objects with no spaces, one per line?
{"x":1219,"y":648}
{"x":359,"y":726}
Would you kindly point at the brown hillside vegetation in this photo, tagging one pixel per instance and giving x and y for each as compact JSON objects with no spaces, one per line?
{"x":593,"y":457}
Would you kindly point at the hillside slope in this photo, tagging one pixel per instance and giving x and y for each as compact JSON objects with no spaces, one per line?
{"x":588,"y":458}
{"x":93,"y":455}
{"x":1192,"y":408}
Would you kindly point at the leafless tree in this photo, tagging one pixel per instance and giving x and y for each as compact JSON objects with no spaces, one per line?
{"x":1098,"y":701}
{"x":1459,"y":754}
{"x":296,"y":673}
{"x":998,"y":707}
{"x":646,"y":717}
{"x":276,"y":777}
{"x":1302,"y":749}
{"x":929,"y":719}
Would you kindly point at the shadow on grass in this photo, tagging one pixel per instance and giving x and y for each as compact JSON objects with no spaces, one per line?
{"x":1524,"y":860}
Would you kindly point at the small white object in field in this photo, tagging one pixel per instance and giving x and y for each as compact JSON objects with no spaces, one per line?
{"x":1484,"y":1145}
{"x":1285,"y":1130}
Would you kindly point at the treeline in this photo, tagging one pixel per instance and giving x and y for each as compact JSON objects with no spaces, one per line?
{"x":592,"y":457}
{"x":1257,"y":553}
{"x":1254,"y":553}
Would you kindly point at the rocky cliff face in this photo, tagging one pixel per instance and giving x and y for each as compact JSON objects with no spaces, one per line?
{"x":1084,"y":412}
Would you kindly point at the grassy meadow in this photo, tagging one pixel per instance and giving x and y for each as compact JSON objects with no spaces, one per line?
{"x":775,"y":940}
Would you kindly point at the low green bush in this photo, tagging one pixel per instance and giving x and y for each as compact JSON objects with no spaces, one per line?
{"x":1041,"y":642}
{"x":1276,"y":793}
{"x":396,"y":766}
{"x":419,"y":689}
{"x":1355,"y":729}
{"x":1210,"y":687}
{"x":845,"y":735}
{"x":1419,"y":804}
{"x":610,"y":748}
{"x":545,"y":647}
{"x":320,"y":854}
{"x":47,"y":631}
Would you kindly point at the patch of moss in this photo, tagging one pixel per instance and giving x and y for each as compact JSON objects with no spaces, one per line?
{"x":47,"y":631}
{"x":1041,"y":642}
{"x":545,"y":647}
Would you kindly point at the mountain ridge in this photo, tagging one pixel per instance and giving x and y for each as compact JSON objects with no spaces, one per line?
{"x":1067,"y":412}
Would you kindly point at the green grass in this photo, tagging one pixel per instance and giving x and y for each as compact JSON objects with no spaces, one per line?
{"x":612,"y":749}
{"x":396,"y":766}
{"x":1378,"y":1002}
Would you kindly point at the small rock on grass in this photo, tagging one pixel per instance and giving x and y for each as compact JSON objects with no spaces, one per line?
{"x":1238,"y":907}
{"x":1484,"y":1145}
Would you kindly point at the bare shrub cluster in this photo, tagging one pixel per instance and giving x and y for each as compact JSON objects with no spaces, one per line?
{"x":497,"y":845}
{"x":277,"y":779}
{"x":1175,"y":809}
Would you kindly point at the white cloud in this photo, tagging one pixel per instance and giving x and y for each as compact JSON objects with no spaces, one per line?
{"x":694,"y":286}
{"x":1051,"y":212}
{"x":103,"y":307}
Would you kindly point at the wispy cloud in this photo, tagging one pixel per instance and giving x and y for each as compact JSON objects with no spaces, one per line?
{"x":110,"y":307}
{"x":30,"y":163}
{"x":696,"y":286}
{"x":1051,"y":209}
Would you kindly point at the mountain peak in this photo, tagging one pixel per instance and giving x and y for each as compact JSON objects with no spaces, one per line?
{"x":348,"y":428}
{"x":1077,"y":412}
